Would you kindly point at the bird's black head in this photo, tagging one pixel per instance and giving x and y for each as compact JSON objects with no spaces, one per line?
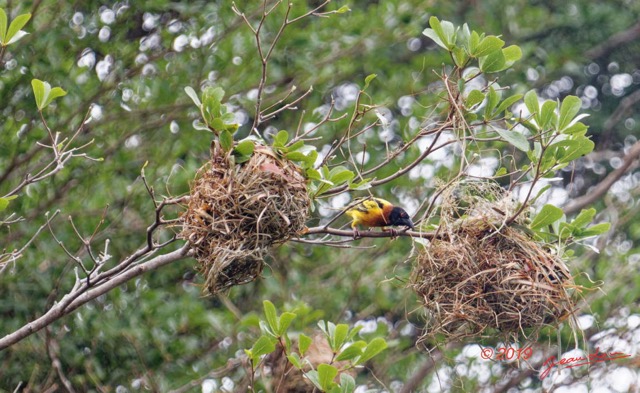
{"x":400,"y":217}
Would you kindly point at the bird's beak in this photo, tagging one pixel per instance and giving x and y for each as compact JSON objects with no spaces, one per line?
{"x":408,"y":223}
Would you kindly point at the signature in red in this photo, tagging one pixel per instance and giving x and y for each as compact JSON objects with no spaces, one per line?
{"x":570,"y":362}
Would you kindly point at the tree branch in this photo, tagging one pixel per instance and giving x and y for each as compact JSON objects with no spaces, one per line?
{"x":63,"y":308}
{"x":601,"y":188}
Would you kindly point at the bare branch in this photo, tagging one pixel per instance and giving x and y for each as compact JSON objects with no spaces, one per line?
{"x":71,"y":301}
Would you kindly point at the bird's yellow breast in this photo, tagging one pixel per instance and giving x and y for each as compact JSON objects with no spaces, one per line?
{"x":371,"y":212}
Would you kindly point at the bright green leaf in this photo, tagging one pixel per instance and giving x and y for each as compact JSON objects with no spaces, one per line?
{"x":431,"y":33}
{"x":226,"y":140}
{"x":547,"y":113}
{"x":374,"y":347}
{"x":460,"y":56}
{"x":493,"y":62}
{"x":504,"y":105}
{"x":511,"y":54}
{"x":343,"y":9}
{"x":245,"y":148}
{"x":473,"y":98}
{"x":351,"y":352}
{"x":4,"y":202}
{"x":501,"y":172}
{"x":270,"y":315}
{"x":263,"y":346}
{"x":18,"y":23}
{"x":548,"y":215}
{"x":532,"y":104}
{"x":487,"y":46}
{"x":192,"y":94}
{"x":347,"y":383}
{"x":3,"y":26}
{"x":340,"y":335}
{"x":294,"y":359}
{"x":53,"y":94}
{"x":584,"y":218}
{"x":40,"y":91}
{"x":514,"y":137}
{"x":284,"y":322}
{"x":314,"y":378}
{"x":303,"y":343}
{"x":281,"y":138}
{"x":493,"y":97}
{"x":326,"y":375}
{"x":597,"y":229}
{"x":368,"y":80}
{"x":568,"y":110}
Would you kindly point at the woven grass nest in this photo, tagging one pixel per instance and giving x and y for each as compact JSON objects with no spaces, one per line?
{"x":237,"y":211}
{"x":481,"y":275}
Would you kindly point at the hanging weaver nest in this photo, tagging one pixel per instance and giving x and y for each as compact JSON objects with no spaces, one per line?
{"x":237,"y":211}
{"x":481,"y":274}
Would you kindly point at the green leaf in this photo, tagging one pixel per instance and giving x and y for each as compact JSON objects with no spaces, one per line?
{"x":343,"y":9}
{"x":303,"y":343}
{"x":443,"y":33}
{"x":493,"y":97}
{"x":368,"y":80}
{"x":3,"y":26}
{"x":340,"y":335}
{"x":532,"y":104}
{"x":296,"y":156}
{"x":514,"y":137}
{"x":347,"y":383}
{"x":226,"y":140}
{"x":263,"y":346}
{"x":460,"y":56}
{"x":493,"y":62}
{"x":18,"y":23}
{"x":284,"y":322}
{"x":314,"y":378}
{"x":294,"y":359}
{"x":574,"y":149}
{"x":215,"y":94}
{"x":568,"y":110}
{"x":512,"y":54}
{"x":596,"y":230}
{"x":473,"y":98}
{"x":548,"y":215}
{"x":297,"y":145}
{"x":245,"y":148}
{"x":313,"y":174}
{"x":501,"y":172}
{"x":340,"y":174}
{"x":53,"y":94}
{"x":281,"y":138}
{"x":194,"y":97}
{"x":474,"y":41}
{"x":431,"y":33}
{"x":504,"y":105}
{"x":374,"y":347}
{"x":547,"y":114}
{"x":365,"y":184}
{"x":40,"y":91}
{"x":584,"y":218}
{"x":271,"y":315}
{"x":488,"y":45}
{"x":326,"y":375}
{"x":4,"y":202}
{"x":351,"y":352}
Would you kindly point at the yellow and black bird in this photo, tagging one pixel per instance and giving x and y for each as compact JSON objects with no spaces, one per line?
{"x":376,"y":212}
